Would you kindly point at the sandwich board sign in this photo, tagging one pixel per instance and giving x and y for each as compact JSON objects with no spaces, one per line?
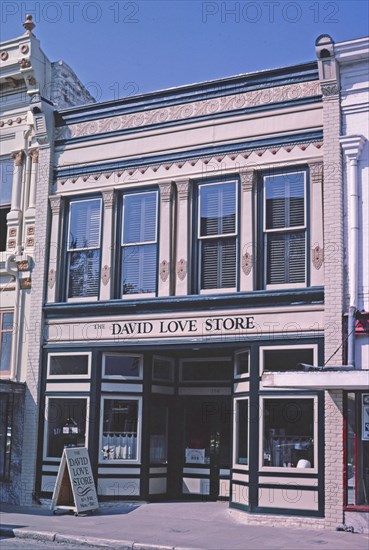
{"x":75,"y":487}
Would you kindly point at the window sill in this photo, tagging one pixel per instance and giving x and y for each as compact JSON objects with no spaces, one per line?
{"x":297,"y":471}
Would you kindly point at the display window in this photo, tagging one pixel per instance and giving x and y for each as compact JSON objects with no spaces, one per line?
{"x":241,"y":433}
{"x":289,"y":433}
{"x":121,"y":366}
{"x":287,"y":358}
{"x":6,"y":425}
{"x":217,"y":369}
{"x":241,"y":364}
{"x":356,"y":437}
{"x":158,"y":434}
{"x":120,"y":429}
{"x":66,"y":365}
{"x":162,"y":369}
{"x":65,"y":424}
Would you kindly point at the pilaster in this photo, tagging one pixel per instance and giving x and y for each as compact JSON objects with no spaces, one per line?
{"x":166,"y":245}
{"x":107,"y":246}
{"x":247,"y":248}
{"x":53,"y":279}
{"x":316,"y":224}
{"x":183,"y":238}
{"x":14,"y":240}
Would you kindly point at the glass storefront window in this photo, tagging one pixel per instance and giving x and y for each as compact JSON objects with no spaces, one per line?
{"x":162,"y":369}
{"x":65,"y":365}
{"x":288,"y":433}
{"x":120,"y":429}
{"x":117,"y":365}
{"x":66,"y":424}
{"x":242,"y":360}
{"x":284,"y":359}
{"x":158,"y":434}
{"x":241,"y":432}
{"x":203,"y":370}
{"x":6,"y":413}
{"x":357,"y":449}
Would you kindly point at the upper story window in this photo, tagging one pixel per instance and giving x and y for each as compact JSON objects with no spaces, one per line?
{"x":6,"y":336}
{"x":6,"y":181}
{"x":284,"y":226}
{"x":83,"y":248}
{"x":139,"y":244}
{"x":217,"y":236}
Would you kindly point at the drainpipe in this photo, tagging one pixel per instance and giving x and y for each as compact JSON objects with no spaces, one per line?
{"x":352,"y":146}
{"x":15,"y":340}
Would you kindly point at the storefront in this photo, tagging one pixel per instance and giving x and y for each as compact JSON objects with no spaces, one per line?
{"x":187,"y":416}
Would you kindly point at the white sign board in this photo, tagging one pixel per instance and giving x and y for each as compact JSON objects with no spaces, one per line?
{"x":75,"y":486}
{"x":365,"y":417}
{"x":195,"y":456}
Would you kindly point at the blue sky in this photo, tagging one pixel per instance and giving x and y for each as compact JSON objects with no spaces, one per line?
{"x":122,"y":47}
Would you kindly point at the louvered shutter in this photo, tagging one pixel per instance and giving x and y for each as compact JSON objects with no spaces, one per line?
{"x":84,"y":230}
{"x":139,"y":262}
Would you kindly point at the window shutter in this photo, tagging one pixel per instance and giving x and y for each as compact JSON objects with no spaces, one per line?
{"x":139,"y":269}
{"x":139,"y":218}
{"x":84,"y":270}
{"x":286,"y":258}
{"x":84,"y":230}
{"x":218,"y":209}
{"x":218,"y":264}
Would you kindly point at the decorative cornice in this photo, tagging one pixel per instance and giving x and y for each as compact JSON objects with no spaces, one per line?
{"x":55,"y":203}
{"x":264,"y":96}
{"x":18,"y":157}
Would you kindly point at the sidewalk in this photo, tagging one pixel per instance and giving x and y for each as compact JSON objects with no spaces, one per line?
{"x":163,"y":526}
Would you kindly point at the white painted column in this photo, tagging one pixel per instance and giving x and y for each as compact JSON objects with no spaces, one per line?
{"x":34,"y":170}
{"x":14,"y":217}
{"x":246,"y":232}
{"x":183,"y":238}
{"x":56,"y":244}
{"x":165,"y":244}
{"x":107,"y":246}
{"x":315,"y":219}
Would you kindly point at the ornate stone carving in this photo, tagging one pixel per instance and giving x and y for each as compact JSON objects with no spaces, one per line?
{"x":30,"y":230}
{"x":13,"y":232}
{"x":29,"y":24}
{"x":55,"y":203}
{"x":181,"y":269}
{"x":317,"y":256}
{"x":108,"y":197}
{"x":329,"y":89}
{"x":164,"y":270}
{"x":165,"y":191}
{"x":247,"y":261}
{"x":199,"y":108}
{"x":24,"y":63}
{"x":4,"y":55}
{"x":24,"y":48}
{"x":11,"y":244}
{"x":105,"y":275}
{"x":51,"y":279}
{"x":17,"y":156}
{"x":23,"y":265}
{"x":34,"y":154}
{"x":26,"y":283}
{"x":184,"y":188}
{"x":316,"y":172}
{"x":30,"y":241}
{"x":31,"y":80}
{"x":248,"y":179}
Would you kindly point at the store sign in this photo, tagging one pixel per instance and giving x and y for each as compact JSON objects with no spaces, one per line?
{"x":365,"y":417}
{"x":75,"y":486}
{"x":201,"y":327}
{"x":195,"y":456}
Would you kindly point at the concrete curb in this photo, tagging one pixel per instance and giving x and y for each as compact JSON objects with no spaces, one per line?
{"x":108,"y":544}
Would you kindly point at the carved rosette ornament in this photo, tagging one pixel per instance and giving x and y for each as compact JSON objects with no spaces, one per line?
{"x":51,"y":278}
{"x":247,"y":261}
{"x":30,"y":230}
{"x":4,"y":55}
{"x":329,"y":89}
{"x":11,"y":244}
{"x":181,"y":269}
{"x":17,"y":156}
{"x":13,"y":232}
{"x":164,"y":270}
{"x":317,"y":257}
{"x":105,"y":275}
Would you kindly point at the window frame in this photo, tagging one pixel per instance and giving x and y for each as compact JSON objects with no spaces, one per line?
{"x":45,"y":456}
{"x":121,"y":397}
{"x":236,"y":465}
{"x":6,"y":373}
{"x":289,"y":469}
{"x":200,"y":238}
{"x":122,"y":245}
{"x":66,"y":376}
{"x":237,"y":353}
{"x":119,"y":377}
{"x":162,"y":358}
{"x":288,"y":170}
{"x":314,"y":347}
{"x":69,"y":251}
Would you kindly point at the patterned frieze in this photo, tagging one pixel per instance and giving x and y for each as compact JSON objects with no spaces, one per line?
{"x":191,"y":110}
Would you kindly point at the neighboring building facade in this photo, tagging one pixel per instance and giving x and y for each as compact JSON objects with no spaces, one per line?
{"x":30,"y":87}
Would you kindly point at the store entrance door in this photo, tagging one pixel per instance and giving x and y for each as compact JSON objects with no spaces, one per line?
{"x":205,"y":446}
